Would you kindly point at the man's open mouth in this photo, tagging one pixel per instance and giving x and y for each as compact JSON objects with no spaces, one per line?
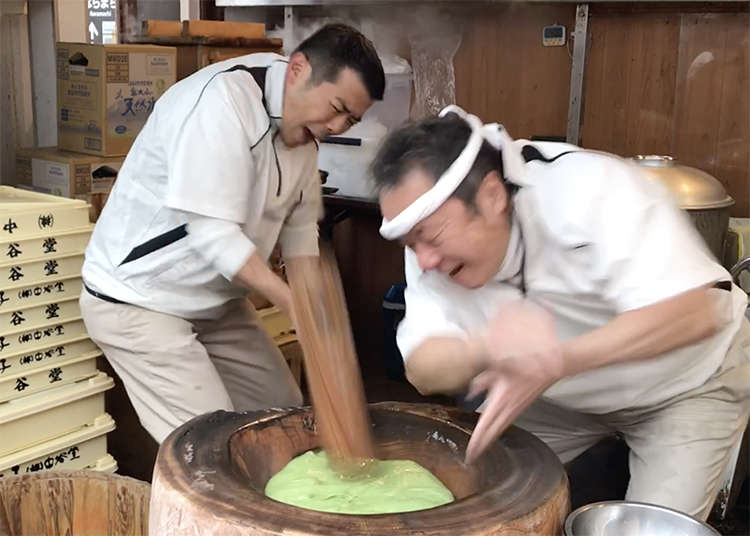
{"x":456,"y":270}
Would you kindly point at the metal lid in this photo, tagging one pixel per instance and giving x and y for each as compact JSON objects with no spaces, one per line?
{"x":693,"y":188}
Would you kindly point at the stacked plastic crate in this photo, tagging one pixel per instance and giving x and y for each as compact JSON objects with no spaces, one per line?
{"x":51,"y":394}
{"x":280,"y":328}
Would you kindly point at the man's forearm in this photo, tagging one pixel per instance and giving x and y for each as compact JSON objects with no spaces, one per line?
{"x":444,"y":365}
{"x":448,"y":364}
{"x":256,"y":275}
{"x":647,"y":332}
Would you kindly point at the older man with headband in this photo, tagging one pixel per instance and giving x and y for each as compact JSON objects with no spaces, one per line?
{"x":575,"y":293}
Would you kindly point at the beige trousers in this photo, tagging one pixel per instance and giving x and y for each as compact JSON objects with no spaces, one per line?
{"x":678,"y":449}
{"x":175,"y":369}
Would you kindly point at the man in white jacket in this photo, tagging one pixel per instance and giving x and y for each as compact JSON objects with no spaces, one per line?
{"x":575,"y":293}
{"x":225,"y":167}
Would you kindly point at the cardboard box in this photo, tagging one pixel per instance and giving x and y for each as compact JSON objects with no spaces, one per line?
{"x":96,"y":203}
{"x":105,"y":93}
{"x":67,"y":174}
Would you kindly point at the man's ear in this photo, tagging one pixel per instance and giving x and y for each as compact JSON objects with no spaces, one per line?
{"x":492,"y":197}
{"x":299,"y":68}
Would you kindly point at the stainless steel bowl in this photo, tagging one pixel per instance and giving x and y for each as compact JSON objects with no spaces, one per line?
{"x":625,"y":518}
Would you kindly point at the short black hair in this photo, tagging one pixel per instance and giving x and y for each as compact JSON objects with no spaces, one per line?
{"x":336,"y":46}
{"x":433,"y":144}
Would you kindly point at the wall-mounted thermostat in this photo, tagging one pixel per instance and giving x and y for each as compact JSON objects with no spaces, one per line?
{"x":553,"y":36}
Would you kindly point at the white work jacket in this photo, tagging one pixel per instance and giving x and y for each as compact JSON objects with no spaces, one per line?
{"x":592,"y":238}
{"x":207,"y":182}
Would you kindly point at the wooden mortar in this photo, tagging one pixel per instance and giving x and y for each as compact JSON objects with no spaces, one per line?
{"x":210,"y":474}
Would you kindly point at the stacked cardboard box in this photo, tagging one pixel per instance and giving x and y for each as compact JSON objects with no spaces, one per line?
{"x":105,"y":94}
{"x":75,"y":175}
{"x":51,"y":393}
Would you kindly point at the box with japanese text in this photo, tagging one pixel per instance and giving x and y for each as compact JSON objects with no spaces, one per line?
{"x":32,"y":339}
{"x":45,"y":270}
{"x":39,"y":315}
{"x":67,"y":371}
{"x":105,"y":93}
{"x":27,"y":294}
{"x":33,"y":419}
{"x":53,"y":171}
{"x":21,"y":368}
{"x":82,"y":449}
{"x":25,"y":214}
{"x":15,"y":250}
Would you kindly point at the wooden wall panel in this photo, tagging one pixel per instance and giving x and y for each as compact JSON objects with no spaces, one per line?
{"x":369,"y":265}
{"x":711,"y":121}
{"x":733,"y":140}
{"x":16,"y":104}
{"x":630,"y":82}
{"x":504,"y":74}
{"x":673,"y":80}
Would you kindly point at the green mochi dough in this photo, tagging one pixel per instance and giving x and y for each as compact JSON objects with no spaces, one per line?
{"x":391,"y":486}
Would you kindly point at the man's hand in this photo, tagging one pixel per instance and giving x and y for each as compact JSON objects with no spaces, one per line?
{"x":257,"y":276}
{"x":523,"y":358}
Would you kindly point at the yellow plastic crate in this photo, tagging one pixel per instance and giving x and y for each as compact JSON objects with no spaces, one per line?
{"x":33,"y":338}
{"x":275,"y":322}
{"x":14,"y":250}
{"x":23,"y":363}
{"x":24,"y":213}
{"x":39,"y":315}
{"x":50,"y":376}
{"x":105,"y":464}
{"x":43,"y":270}
{"x":34,"y":419}
{"x":40,"y":292}
{"x":81,"y":449}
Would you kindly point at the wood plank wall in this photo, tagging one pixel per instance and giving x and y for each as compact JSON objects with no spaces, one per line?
{"x":369,"y":266}
{"x":676,"y":81}
{"x":16,"y":104}
{"x":660,"y":79}
{"x":504,"y":74}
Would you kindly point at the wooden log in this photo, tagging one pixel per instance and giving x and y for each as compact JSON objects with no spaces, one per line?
{"x":223,"y":29}
{"x":171,"y":28}
{"x":260,"y":44}
{"x":75,"y":503}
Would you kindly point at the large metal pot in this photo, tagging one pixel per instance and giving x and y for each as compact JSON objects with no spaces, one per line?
{"x":698,"y":193}
{"x":618,"y":518}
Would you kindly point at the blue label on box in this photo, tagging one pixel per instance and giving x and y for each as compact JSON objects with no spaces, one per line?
{"x":120,"y":129}
{"x":63,"y":114}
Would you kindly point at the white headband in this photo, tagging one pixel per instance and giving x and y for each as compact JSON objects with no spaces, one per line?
{"x":427,"y":203}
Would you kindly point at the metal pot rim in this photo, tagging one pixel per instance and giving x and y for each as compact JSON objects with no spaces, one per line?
{"x":693,"y":188}
{"x":568,"y":527}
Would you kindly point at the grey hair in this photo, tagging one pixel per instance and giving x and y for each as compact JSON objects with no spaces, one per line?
{"x":433,"y":144}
